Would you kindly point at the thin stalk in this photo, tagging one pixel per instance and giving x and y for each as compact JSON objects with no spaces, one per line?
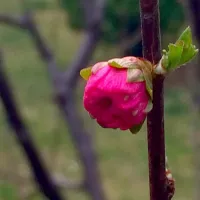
{"x":150,"y":24}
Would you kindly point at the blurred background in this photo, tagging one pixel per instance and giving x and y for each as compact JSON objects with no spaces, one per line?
{"x":122,"y":157}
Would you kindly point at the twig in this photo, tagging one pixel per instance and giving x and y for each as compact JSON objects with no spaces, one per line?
{"x":24,"y":138}
{"x":156,"y":142}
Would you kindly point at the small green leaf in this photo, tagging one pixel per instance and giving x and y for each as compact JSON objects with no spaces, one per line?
{"x":188,"y":54}
{"x":86,"y":72}
{"x":186,"y":37}
{"x":135,"y":129}
{"x":134,"y":75}
{"x":179,"y":53}
{"x":189,"y":50}
{"x":174,"y":55}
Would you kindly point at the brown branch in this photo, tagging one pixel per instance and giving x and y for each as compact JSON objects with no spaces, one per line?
{"x":156,"y":142}
{"x":24,"y":139}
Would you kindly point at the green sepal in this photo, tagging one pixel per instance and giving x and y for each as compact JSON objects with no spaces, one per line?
{"x":86,"y":73}
{"x":146,"y":68}
{"x":135,"y":129}
{"x":134,"y":75}
{"x":122,"y":63}
{"x":148,"y":80}
{"x":179,"y":53}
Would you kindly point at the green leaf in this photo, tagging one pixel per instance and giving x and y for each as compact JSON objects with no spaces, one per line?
{"x":186,"y":36}
{"x":174,"y":55}
{"x":188,"y":54}
{"x":136,"y":129}
{"x":189,"y":50}
{"x":86,"y":72}
{"x":179,"y":53}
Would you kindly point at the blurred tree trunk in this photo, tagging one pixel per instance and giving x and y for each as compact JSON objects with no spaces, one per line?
{"x":192,"y":9}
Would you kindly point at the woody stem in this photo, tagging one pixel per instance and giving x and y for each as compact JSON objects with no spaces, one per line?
{"x":149,"y":10}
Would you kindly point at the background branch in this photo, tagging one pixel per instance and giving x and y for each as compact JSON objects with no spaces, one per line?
{"x":14,"y":21}
{"x":80,"y":136}
{"x":59,"y":180}
{"x":24,"y":139}
{"x":64,"y":86}
{"x":155,"y":122}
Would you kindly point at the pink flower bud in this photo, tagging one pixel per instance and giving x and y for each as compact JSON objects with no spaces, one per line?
{"x":112,"y":100}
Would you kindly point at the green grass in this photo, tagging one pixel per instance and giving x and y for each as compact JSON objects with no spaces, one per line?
{"x":122,"y":156}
